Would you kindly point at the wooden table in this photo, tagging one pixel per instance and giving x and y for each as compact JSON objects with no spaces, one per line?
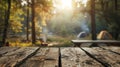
{"x":60,"y":57}
{"x":108,"y":42}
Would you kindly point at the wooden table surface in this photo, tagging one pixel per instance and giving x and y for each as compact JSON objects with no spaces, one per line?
{"x":96,"y":41}
{"x":60,"y":57}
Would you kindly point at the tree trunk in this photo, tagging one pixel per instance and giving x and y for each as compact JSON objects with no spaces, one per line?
{"x":116,"y":5}
{"x":33,"y":23}
{"x":6,"y":22}
{"x":27,"y":25}
{"x":116,"y":34}
{"x":93,"y":24}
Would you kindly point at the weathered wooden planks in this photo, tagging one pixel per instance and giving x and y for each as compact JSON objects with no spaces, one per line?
{"x":45,"y":57}
{"x":113,"y":49}
{"x":107,"y":58}
{"x":5,"y":50}
{"x":114,"y":59}
{"x":14,"y":58}
{"x":75,"y":57}
{"x":70,"y":57}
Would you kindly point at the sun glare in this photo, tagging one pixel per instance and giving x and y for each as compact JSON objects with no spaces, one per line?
{"x":65,"y":5}
{"x":85,"y":2}
{"x":62,"y":4}
{"x":82,"y":1}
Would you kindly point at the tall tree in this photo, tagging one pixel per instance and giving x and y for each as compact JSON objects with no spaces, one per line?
{"x":116,"y":4}
{"x":6,"y":22}
{"x":33,"y":22}
{"x":93,"y":24}
{"x":27,"y":25}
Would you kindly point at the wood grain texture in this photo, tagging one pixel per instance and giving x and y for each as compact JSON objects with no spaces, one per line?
{"x":69,"y":56}
{"x":75,"y":57}
{"x":5,"y":50}
{"x":114,"y":49}
{"x":13,"y":58}
{"x":45,"y":57}
{"x":106,"y":57}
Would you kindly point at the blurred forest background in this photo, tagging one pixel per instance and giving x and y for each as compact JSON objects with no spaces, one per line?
{"x":28,"y":23}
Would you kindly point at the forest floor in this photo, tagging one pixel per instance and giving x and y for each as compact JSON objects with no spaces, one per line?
{"x":53,"y":41}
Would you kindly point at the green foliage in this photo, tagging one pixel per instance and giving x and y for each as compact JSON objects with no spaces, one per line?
{"x":16,"y":18}
{"x":2,"y":14}
{"x":108,"y":16}
{"x":15,"y":23}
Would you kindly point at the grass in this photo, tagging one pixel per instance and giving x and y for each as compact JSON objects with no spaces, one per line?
{"x":57,"y":41}
{"x":62,"y":41}
{"x":64,"y":44}
{"x":18,"y":44}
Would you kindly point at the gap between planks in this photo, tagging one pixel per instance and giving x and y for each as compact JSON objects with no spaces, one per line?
{"x":75,"y":57}
{"x":45,"y":57}
{"x":106,"y":58}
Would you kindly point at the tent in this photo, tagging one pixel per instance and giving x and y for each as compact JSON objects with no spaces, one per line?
{"x":104,"y":35}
